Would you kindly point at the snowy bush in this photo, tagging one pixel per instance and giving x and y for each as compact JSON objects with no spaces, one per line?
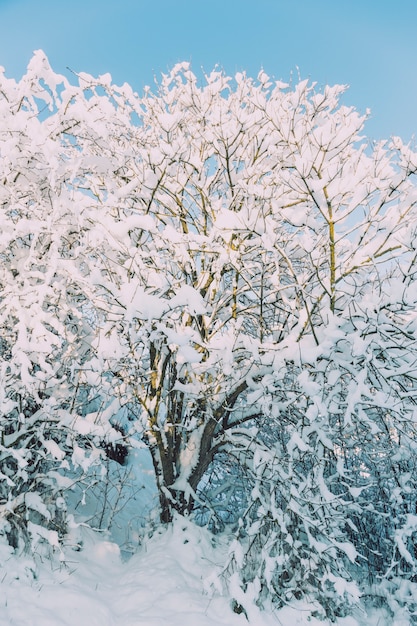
{"x":228,"y":267}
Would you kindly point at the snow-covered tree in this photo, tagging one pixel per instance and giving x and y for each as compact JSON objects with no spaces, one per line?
{"x":229,"y":268}
{"x":50,"y":419}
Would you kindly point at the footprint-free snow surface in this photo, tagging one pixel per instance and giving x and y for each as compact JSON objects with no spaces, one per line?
{"x":169,"y":581}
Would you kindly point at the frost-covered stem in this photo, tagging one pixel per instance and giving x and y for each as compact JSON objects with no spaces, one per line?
{"x":229,"y":175}
{"x":106,"y":494}
{"x":234,"y":295}
{"x":261,"y":306}
{"x":332,"y":246}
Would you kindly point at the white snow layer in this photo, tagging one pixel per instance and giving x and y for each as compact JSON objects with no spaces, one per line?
{"x":167,"y":583}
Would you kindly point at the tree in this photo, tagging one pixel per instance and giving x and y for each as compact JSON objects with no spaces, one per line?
{"x":49,"y":420}
{"x":231,"y":267}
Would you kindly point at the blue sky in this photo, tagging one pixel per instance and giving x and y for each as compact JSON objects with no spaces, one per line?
{"x":369,"y":44}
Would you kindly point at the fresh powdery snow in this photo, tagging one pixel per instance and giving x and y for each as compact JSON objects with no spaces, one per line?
{"x":126,"y":577}
{"x":168,"y":581}
{"x":164,"y":583}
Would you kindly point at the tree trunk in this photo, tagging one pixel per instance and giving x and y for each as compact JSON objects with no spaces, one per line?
{"x":167,"y":466}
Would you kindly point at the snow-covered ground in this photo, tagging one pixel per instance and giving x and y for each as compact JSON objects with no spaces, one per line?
{"x":119,"y":578}
{"x":161,"y":584}
{"x":167,"y":582}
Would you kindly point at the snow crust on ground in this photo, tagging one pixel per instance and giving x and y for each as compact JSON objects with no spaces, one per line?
{"x":165,"y":583}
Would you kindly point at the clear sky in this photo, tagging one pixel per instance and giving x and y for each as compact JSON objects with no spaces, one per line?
{"x":369,"y":44}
